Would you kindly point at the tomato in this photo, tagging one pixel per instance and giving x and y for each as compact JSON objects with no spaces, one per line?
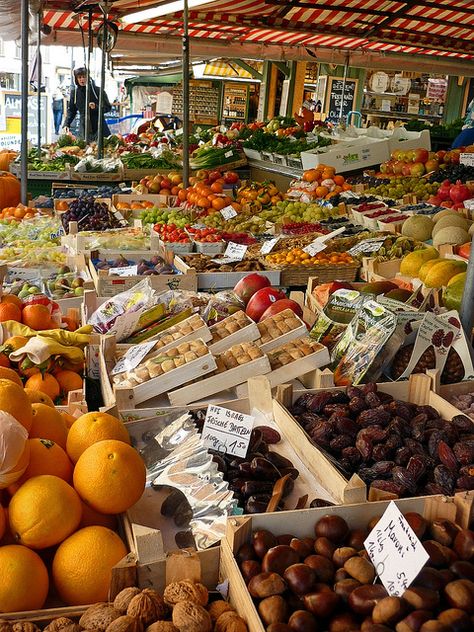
{"x":464,"y":250}
{"x":250,"y":284}
{"x":261,"y":301}
{"x":279,"y":306}
{"x":230,"y":177}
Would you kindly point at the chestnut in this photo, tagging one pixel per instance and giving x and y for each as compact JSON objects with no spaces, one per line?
{"x":262,"y":540}
{"x":430,"y":577}
{"x":389,"y":611}
{"x":360,"y":569}
{"x":444,"y":531}
{"x":363,"y":599}
{"x":273,"y":610}
{"x":302,"y":621}
{"x":369,"y":626}
{"x":345,"y":587}
{"x":322,"y":603}
{"x":266,"y":585}
{"x":324,"y":546}
{"x":246,"y":552}
{"x":345,"y":622}
{"x":322,"y":567}
{"x":372,"y":522}
{"x":303,"y":547}
{"x":433,"y":625}
{"x":417,"y":523}
{"x":460,"y":594}
{"x":440,"y":556}
{"x":300,"y":578}
{"x":421,"y":598}
{"x":356,"y":539}
{"x":285,"y":538}
{"x":278,"y":558}
{"x":278,"y":627}
{"x":332,"y":527}
{"x":342,"y":554}
{"x":456,"y":619}
{"x":463,"y":569}
{"x":341,"y":574}
{"x":249,"y":569}
{"x":413,"y":621}
{"x":464,"y":544}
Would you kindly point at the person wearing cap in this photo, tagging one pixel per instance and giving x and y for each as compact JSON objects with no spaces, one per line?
{"x":77,"y":103}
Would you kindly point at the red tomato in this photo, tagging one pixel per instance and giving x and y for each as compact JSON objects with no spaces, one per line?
{"x":261,"y":301}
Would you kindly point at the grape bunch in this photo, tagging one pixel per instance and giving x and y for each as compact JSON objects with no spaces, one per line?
{"x":89,"y":215}
{"x":106,"y":190}
{"x":453,"y":173}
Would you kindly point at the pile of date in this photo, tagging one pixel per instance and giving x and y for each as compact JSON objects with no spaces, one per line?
{"x":394,"y":446}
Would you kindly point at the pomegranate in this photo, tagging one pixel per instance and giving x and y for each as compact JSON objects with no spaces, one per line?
{"x":246,"y":287}
{"x":279,"y":306}
{"x":261,"y":301}
{"x":459,"y":192}
{"x":443,"y":191}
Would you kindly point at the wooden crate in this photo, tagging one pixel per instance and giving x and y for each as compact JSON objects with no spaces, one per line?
{"x":222,"y":280}
{"x":299,"y":331}
{"x":249,"y":333}
{"x":203,"y":333}
{"x":110,"y":285}
{"x":373,"y":270}
{"x":416,"y":390}
{"x":301,"y":524}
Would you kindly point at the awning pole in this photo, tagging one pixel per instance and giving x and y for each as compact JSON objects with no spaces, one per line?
{"x":185,"y":96}
{"x":39,"y":71}
{"x":100,"y":125}
{"x":24,"y":101}
{"x":346,"y":68}
{"x":87,"y":114}
{"x":467,"y":304}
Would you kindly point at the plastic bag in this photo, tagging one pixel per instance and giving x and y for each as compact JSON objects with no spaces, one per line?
{"x":13,"y":442}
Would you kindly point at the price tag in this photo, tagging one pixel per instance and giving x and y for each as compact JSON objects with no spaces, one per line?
{"x":368,"y":245}
{"x":133,"y":357}
{"x":227,"y":431}
{"x":126,"y":271}
{"x":24,"y":274}
{"x":314,"y":247}
{"x":179,"y":132}
{"x":226,"y":260}
{"x":469,"y":204}
{"x":228,"y":212}
{"x":395,"y":551}
{"x":466,"y":159}
{"x":235,"y":251}
{"x":268,"y":245}
{"x":125,"y":324}
{"x":199,"y":226}
{"x":228,"y":154}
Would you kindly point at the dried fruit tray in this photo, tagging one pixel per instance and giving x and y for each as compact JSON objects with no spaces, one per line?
{"x":234,"y":329}
{"x":295,"y":368}
{"x":280,"y":329}
{"x":417,"y":390}
{"x":301,"y":524}
{"x":222,"y":380}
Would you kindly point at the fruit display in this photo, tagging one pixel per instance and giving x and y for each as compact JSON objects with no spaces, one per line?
{"x":274,"y":327}
{"x":445,"y":227}
{"x":103,"y":191}
{"x":64,"y":284}
{"x":237,"y":355}
{"x":291,"y":351}
{"x":230,"y":325}
{"x":298,"y":257}
{"x":159,"y":215}
{"x":175,"y":333}
{"x":397,"y":187}
{"x":300,"y":211}
{"x":89,"y":215}
{"x":210,"y":263}
{"x":155,"y":265}
{"x":205,"y":235}
{"x":394,"y":446}
{"x":259,"y":195}
{"x":161,"y":184}
{"x":319,"y":183}
{"x":454,"y":172}
{"x":415,"y":162}
{"x":326,"y":576}
{"x":172,"y":233}
{"x":464,"y":402}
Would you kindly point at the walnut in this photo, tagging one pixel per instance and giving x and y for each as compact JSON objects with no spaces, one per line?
{"x":99,"y":617}
{"x":216,"y":608}
{"x":125,"y":624}
{"x":72,"y":627}
{"x":25,"y":626}
{"x":190,"y":617}
{"x":5,"y":626}
{"x":186,"y":590}
{"x":230,"y":622}
{"x":162,"y":626}
{"x":147,"y":606}
{"x":57,"y":624}
{"x":125,"y":596}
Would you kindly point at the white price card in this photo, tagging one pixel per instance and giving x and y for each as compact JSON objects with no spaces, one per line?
{"x":126,"y":324}
{"x":367,"y":246}
{"x":314,"y":247}
{"x":228,"y":212}
{"x":227,"y":431}
{"x":126,"y":271}
{"x":225,"y":260}
{"x":469,"y":204}
{"x":228,"y":154}
{"x":395,"y":551}
{"x":235,"y":251}
{"x":466,"y":159}
{"x":133,"y":357}
{"x":24,"y":274}
{"x":268,"y":245}
{"x":179,"y":131}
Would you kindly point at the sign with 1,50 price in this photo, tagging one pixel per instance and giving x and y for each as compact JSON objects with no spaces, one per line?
{"x":227,"y":431}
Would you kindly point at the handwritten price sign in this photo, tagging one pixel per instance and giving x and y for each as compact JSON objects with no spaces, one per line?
{"x":227,"y":431}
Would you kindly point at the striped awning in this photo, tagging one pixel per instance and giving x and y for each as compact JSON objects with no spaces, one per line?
{"x":428,"y":27}
{"x":228,"y":69}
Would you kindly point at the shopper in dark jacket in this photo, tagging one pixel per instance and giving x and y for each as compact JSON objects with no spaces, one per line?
{"x":77,"y":103}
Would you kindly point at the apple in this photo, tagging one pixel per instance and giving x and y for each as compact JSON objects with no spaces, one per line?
{"x":441,"y":155}
{"x":431,"y":165}
{"x":417,"y":169}
{"x":395,"y":155}
{"x":410,"y":156}
{"x":421,"y":155}
{"x":406,"y":171}
{"x":455,"y":156}
{"x":398,"y":167}
{"x":383,"y":167}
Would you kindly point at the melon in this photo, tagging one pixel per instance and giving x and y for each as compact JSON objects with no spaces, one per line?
{"x":450,"y":235}
{"x":418,"y":227}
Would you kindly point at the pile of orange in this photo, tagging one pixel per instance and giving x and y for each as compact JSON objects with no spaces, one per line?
{"x":209,"y":197}
{"x":327,"y":182}
{"x":62,"y":495}
{"x":36,"y":316}
{"x":298,"y":257}
{"x":17,"y":213}
{"x":134,"y":206}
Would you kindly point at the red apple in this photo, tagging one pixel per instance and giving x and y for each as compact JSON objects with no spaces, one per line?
{"x":431,"y":165}
{"x":417,"y":169}
{"x":421,"y":155}
{"x":398,"y":167}
{"x":406,"y":171}
{"x":249,"y":285}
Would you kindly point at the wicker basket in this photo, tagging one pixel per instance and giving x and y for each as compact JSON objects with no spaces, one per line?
{"x":299,"y":275}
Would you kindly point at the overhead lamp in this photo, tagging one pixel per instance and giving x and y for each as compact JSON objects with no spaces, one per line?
{"x":165,"y":8}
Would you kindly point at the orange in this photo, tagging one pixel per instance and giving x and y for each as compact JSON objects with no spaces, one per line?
{"x":24,"y":579}
{"x":36,"y":316}
{"x":68,"y":381}
{"x":48,"y":423}
{"x":90,"y":517}
{"x":82,"y":565}
{"x":91,"y":428}
{"x":14,"y":400}
{"x":37,"y":397}
{"x":9,"y":311}
{"x":47,"y":457}
{"x":110,"y":476}
{"x":69,"y":419}
{"x":13,"y":344}
{"x":10,"y":374}
{"x":45,"y":383}
{"x":11,"y":298}
{"x":44,"y":512}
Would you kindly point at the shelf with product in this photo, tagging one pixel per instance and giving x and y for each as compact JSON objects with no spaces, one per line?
{"x":235,"y":101}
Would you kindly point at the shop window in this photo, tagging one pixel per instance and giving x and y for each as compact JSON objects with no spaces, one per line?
{"x":17,"y":51}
